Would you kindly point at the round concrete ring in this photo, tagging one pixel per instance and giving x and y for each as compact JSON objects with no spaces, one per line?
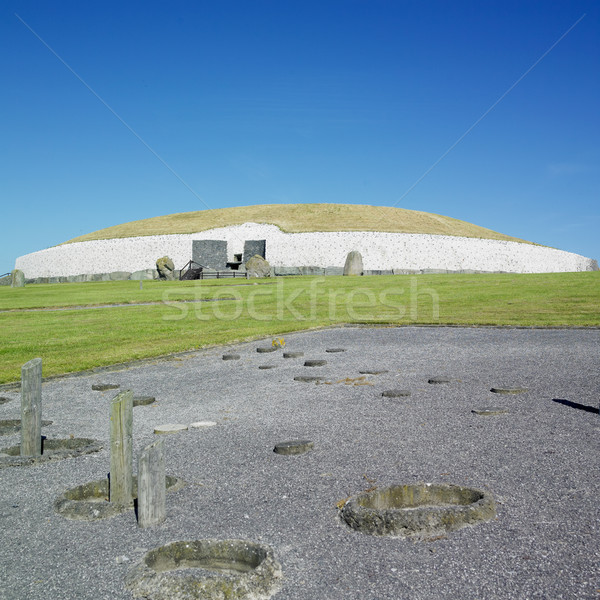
{"x":195,"y":569}
{"x":417,"y":510}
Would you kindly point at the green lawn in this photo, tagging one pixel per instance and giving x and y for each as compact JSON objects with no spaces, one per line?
{"x":74,"y":339}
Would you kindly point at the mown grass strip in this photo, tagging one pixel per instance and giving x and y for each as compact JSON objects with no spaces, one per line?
{"x":74,"y":340}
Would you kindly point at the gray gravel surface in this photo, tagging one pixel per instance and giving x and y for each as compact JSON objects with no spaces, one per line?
{"x":539,"y":460}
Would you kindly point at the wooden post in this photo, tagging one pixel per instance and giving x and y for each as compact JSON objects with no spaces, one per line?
{"x":121,"y":450}
{"x":31,"y":408}
{"x":151,"y":485}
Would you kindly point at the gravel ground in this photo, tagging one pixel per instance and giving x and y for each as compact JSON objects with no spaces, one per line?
{"x":539,"y":460}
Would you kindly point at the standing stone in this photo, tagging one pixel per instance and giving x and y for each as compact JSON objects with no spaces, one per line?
{"x":165,"y":268}
{"x":211,"y":254}
{"x":17,"y":278}
{"x":354,"y":263}
{"x":31,"y":408}
{"x":254,"y":248}
{"x":257,"y":266}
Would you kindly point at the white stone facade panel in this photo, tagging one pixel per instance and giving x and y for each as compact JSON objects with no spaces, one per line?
{"x":380,"y":251}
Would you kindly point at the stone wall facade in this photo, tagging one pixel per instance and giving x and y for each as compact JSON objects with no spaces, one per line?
{"x":381,"y":252}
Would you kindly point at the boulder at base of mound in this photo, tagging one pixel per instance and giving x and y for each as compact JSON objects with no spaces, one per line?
{"x":17,"y":278}
{"x":354,"y":263}
{"x":165,"y":268}
{"x":257,"y":266}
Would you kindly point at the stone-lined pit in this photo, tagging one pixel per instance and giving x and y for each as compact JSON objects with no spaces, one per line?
{"x":89,"y":502}
{"x":511,"y":390}
{"x":13,"y":426}
{"x":486,"y":412}
{"x":143,"y":400}
{"x":395,"y":393}
{"x":417,"y":510}
{"x":218,"y":569}
{"x":51,"y":450}
{"x":438,"y":380}
{"x":293,"y":447}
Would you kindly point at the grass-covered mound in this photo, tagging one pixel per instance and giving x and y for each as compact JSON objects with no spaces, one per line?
{"x":298,"y":218}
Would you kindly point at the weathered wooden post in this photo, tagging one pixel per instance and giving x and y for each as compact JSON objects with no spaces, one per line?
{"x":121,"y":449}
{"x":31,"y":408}
{"x":151,"y":485}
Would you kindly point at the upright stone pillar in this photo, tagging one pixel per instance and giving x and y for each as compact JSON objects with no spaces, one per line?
{"x":17,"y":278}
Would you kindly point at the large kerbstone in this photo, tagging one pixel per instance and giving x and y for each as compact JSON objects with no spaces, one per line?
{"x":354,"y":263}
{"x":144,"y":274}
{"x":165,"y":268}
{"x":257,"y":266}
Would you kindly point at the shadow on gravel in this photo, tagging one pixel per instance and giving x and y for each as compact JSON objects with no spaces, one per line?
{"x":590,"y":409}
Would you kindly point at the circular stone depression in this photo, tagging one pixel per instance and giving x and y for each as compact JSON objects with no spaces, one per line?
{"x":13,"y":426}
{"x":417,"y":510}
{"x":438,"y":380}
{"x":515,"y":390}
{"x":315,"y":363}
{"x":263,"y":349}
{"x":89,"y":502}
{"x":294,"y":447}
{"x":335,"y":350}
{"x":103,"y":387}
{"x":143,"y":400}
{"x":293,"y":354}
{"x":51,"y":450}
{"x":395,"y":393}
{"x":206,"y":569}
{"x":373,"y":371}
{"x":308,"y":378}
{"x":4,"y":400}
{"x":487,"y":412}
{"x":231,"y":357}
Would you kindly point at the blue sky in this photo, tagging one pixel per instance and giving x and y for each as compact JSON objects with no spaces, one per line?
{"x":277,"y":101}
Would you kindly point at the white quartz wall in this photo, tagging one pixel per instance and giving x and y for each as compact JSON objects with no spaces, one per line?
{"x":379,"y":250}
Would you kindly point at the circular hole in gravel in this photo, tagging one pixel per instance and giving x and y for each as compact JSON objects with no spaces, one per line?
{"x":293,"y":447}
{"x":13,"y":426}
{"x":4,"y":400}
{"x":263,"y":349}
{"x":231,"y":357}
{"x":438,"y":380}
{"x":195,"y":569}
{"x":417,"y":510}
{"x":515,"y":390}
{"x":51,"y":450}
{"x":396,"y":393}
{"x":143,"y":400}
{"x":293,"y":354}
{"x":264,"y":367}
{"x":315,"y":363}
{"x":486,"y":412}
{"x":308,"y":378}
{"x":89,"y":502}
{"x":170,"y":428}
{"x":102,"y":387}
{"x":373,"y":371}
{"x":335,"y":350}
